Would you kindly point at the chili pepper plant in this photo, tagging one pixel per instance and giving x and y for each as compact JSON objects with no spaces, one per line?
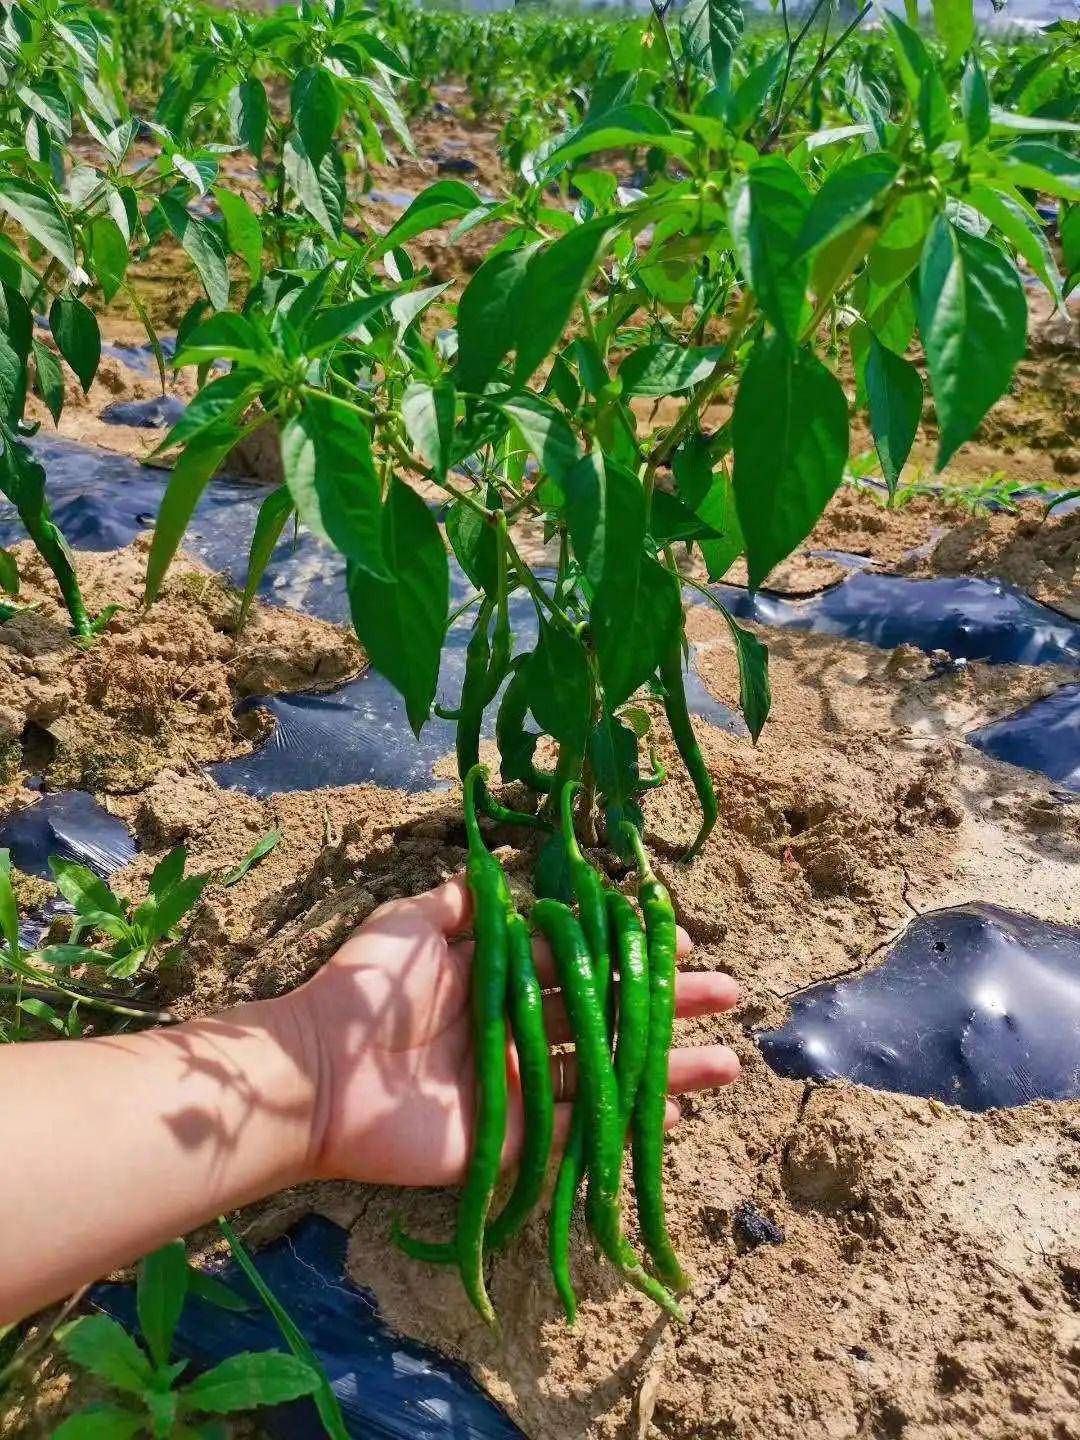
{"x":787,"y":271}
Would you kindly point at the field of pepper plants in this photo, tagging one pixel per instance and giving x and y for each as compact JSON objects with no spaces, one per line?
{"x":631,"y":459}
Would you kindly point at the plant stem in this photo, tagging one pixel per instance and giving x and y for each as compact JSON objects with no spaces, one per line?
{"x":822,"y":61}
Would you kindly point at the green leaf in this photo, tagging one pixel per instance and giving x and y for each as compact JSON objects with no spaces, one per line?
{"x":401,"y":621}
{"x":474,"y":544}
{"x":766,"y":217}
{"x":49,"y":378}
{"x":1009,"y":215}
{"x":105,"y":1348}
{"x":254,"y":855}
{"x":428,"y":413}
{"x":274,"y":513}
{"x":895,"y":393}
{"x":755,"y":691}
{"x":203,"y":245}
{"x":316,"y":110}
{"x":975,"y":101}
{"x":848,"y":196}
{"x":934,"y":115}
{"x":319,"y":188}
{"x":560,"y":696}
{"x":955,"y":23}
{"x":326,"y":1402}
{"x":666,"y":369}
{"x":189,"y":479}
{"x":9,"y":910}
{"x":85,"y":890}
{"x":74,"y":327}
{"x":544,"y":431}
{"x":158,"y":915}
{"x":790,"y":430}
{"x":555,"y":278}
{"x":748,"y":101}
{"x":9,"y":572}
{"x":222,"y":337}
{"x":209,"y":1288}
{"x":326,"y":454}
{"x":109,"y":254}
{"x":247,"y":1380}
{"x":726,"y":24}
{"x":488,"y":314}
{"x":248,"y":113}
{"x":973,"y":321}
{"x":326,"y":327}
{"x":443,"y":201}
{"x":160,"y":1296}
{"x":711,"y":497}
{"x":912,"y":56}
{"x":1038,"y":165}
{"x":168,"y":872}
{"x":40,"y":216}
{"x":100,"y":1422}
{"x":223,"y":400}
{"x":619,"y":127}
{"x":629,"y":646}
{"x":243,"y":234}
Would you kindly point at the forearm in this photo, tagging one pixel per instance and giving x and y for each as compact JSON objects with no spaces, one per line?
{"x":114,"y":1145}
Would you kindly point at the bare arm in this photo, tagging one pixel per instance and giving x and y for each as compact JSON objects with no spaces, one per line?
{"x":114,"y":1145}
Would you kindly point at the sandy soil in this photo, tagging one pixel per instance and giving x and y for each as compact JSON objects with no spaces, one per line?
{"x":927,"y":1282}
{"x":158,"y":687}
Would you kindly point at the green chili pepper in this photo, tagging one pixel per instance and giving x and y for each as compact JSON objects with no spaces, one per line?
{"x":598,"y":1093}
{"x":530,"y":1039}
{"x":632,"y":961}
{"x":682,"y":729}
{"x":22,"y":480}
{"x":492,"y":907}
{"x":651,"y":1103}
{"x":588,"y":890}
{"x":516,"y":745}
{"x":486,"y":665}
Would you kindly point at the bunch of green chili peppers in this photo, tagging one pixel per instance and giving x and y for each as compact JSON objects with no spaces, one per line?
{"x":622,"y":1061}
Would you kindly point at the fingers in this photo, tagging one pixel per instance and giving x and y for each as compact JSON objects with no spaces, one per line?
{"x":697,"y":993}
{"x":447,"y":908}
{"x":548,"y":975}
{"x":690,"y":1068}
{"x":563,"y":1112}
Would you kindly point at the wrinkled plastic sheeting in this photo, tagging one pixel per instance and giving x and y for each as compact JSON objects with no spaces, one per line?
{"x":969,"y":617}
{"x":1044,"y":736}
{"x":976,"y":1005}
{"x":72,"y":825}
{"x":160,"y":412}
{"x":388,"y":1387}
{"x":358,"y":733}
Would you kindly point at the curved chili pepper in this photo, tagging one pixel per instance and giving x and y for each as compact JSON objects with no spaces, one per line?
{"x":651,"y":1103}
{"x":538,"y":1097}
{"x":671,"y":673}
{"x":632,"y":962}
{"x":598,"y":1093}
{"x":492,"y":908}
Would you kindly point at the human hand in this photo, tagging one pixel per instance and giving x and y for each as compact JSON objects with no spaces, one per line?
{"x":389,"y":1020}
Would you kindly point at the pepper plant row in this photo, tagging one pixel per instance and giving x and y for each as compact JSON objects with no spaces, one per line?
{"x":657,"y":377}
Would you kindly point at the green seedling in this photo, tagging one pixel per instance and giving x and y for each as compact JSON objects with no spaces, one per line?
{"x":136,"y":932}
{"x":150,"y":1399}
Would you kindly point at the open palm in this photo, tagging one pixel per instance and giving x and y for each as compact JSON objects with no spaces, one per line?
{"x":391,"y":1015}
